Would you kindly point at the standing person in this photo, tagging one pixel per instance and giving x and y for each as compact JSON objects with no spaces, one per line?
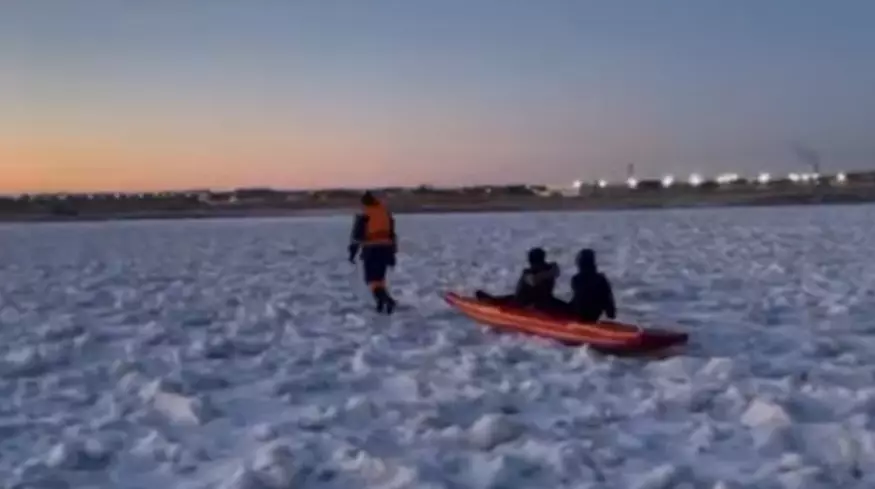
{"x":373,"y":233}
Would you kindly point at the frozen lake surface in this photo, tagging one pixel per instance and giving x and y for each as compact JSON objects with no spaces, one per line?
{"x":245,"y":354}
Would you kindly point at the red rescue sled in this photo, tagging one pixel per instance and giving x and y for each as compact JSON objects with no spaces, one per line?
{"x":605,"y":336}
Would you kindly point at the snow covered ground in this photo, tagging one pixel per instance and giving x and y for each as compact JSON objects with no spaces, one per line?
{"x":244,"y":354}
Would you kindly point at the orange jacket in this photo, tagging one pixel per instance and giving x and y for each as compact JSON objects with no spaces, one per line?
{"x":374,"y":226}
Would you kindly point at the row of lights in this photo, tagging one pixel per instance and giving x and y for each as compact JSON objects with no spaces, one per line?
{"x":116,"y":196}
{"x":696,"y":180}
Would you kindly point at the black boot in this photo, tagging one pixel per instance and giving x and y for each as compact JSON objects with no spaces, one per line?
{"x":390,"y":304}
{"x":385,"y":302}
{"x":380,"y":301}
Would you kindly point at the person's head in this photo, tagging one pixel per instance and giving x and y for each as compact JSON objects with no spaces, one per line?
{"x":368,"y":199}
{"x":586,"y":260}
{"x":537,"y":256}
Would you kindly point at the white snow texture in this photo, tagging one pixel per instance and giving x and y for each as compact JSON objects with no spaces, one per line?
{"x":245,"y":354}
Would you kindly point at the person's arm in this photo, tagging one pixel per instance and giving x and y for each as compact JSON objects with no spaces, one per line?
{"x":610,"y":306}
{"x":357,"y":235}
{"x":392,"y":234}
{"x":552,"y":272}
{"x":575,"y":287}
{"x":524,"y":281}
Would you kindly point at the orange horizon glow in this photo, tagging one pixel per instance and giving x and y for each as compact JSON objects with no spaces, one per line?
{"x":68,"y":170}
{"x":89,"y":164}
{"x":149,"y":156}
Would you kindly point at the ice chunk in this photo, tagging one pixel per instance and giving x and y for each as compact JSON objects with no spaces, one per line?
{"x":677,"y":368}
{"x":402,"y":387}
{"x":803,"y":478}
{"x":88,"y":454}
{"x":194,"y":380}
{"x":360,"y":408}
{"x":718,"y":368}
{"x":730,"y":402}
{"x":33,"y":361}
{"x":761,"y":413}
{"x":573,"y":459}
{"x":264,"y":432}
{"x":61,"y":330}
{"x":504,"y":471}
{"x":702,"y":438}
{"x":492,"y":430}
{"x":152,"y":445}
{"x":791,"y":461}
{"x":722,"y":485}
{"x":832,"y":444}
{"x":275,"y":466}
{"x":770,"y":425}
{"x":662,"y":477}
{"x":177,"y":408}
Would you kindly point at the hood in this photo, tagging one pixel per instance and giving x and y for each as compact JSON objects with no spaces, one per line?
{"x":586,"y":261}
{"x":370,"y":200}
{"x":373,"y":204}
{"x":537,"y":257}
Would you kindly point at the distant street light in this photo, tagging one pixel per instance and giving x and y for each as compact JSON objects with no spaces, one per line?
{"x":841,"y":177}
{"x":667,"y":181}
{"x":602,"y":183}
{"x":632,"y":182}
{"x":695,"y":180}
{"x":764,"y":178}
{"x":577,"y":184}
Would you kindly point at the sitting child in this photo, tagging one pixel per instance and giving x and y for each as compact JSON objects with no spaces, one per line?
{"x":535,"y":285}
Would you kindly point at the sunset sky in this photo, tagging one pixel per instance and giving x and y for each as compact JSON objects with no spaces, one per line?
{"x":167,"y":94}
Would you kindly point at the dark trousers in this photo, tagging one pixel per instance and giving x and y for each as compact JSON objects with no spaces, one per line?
{"x":377,"y":259}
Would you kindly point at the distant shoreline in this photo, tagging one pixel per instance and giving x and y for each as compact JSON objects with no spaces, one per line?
{"x":413,"y":205}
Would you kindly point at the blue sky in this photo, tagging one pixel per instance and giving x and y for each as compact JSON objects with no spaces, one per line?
{"x":165,"y":94}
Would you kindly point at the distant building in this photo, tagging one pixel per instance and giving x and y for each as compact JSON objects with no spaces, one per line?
{"x":565,"y":190}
